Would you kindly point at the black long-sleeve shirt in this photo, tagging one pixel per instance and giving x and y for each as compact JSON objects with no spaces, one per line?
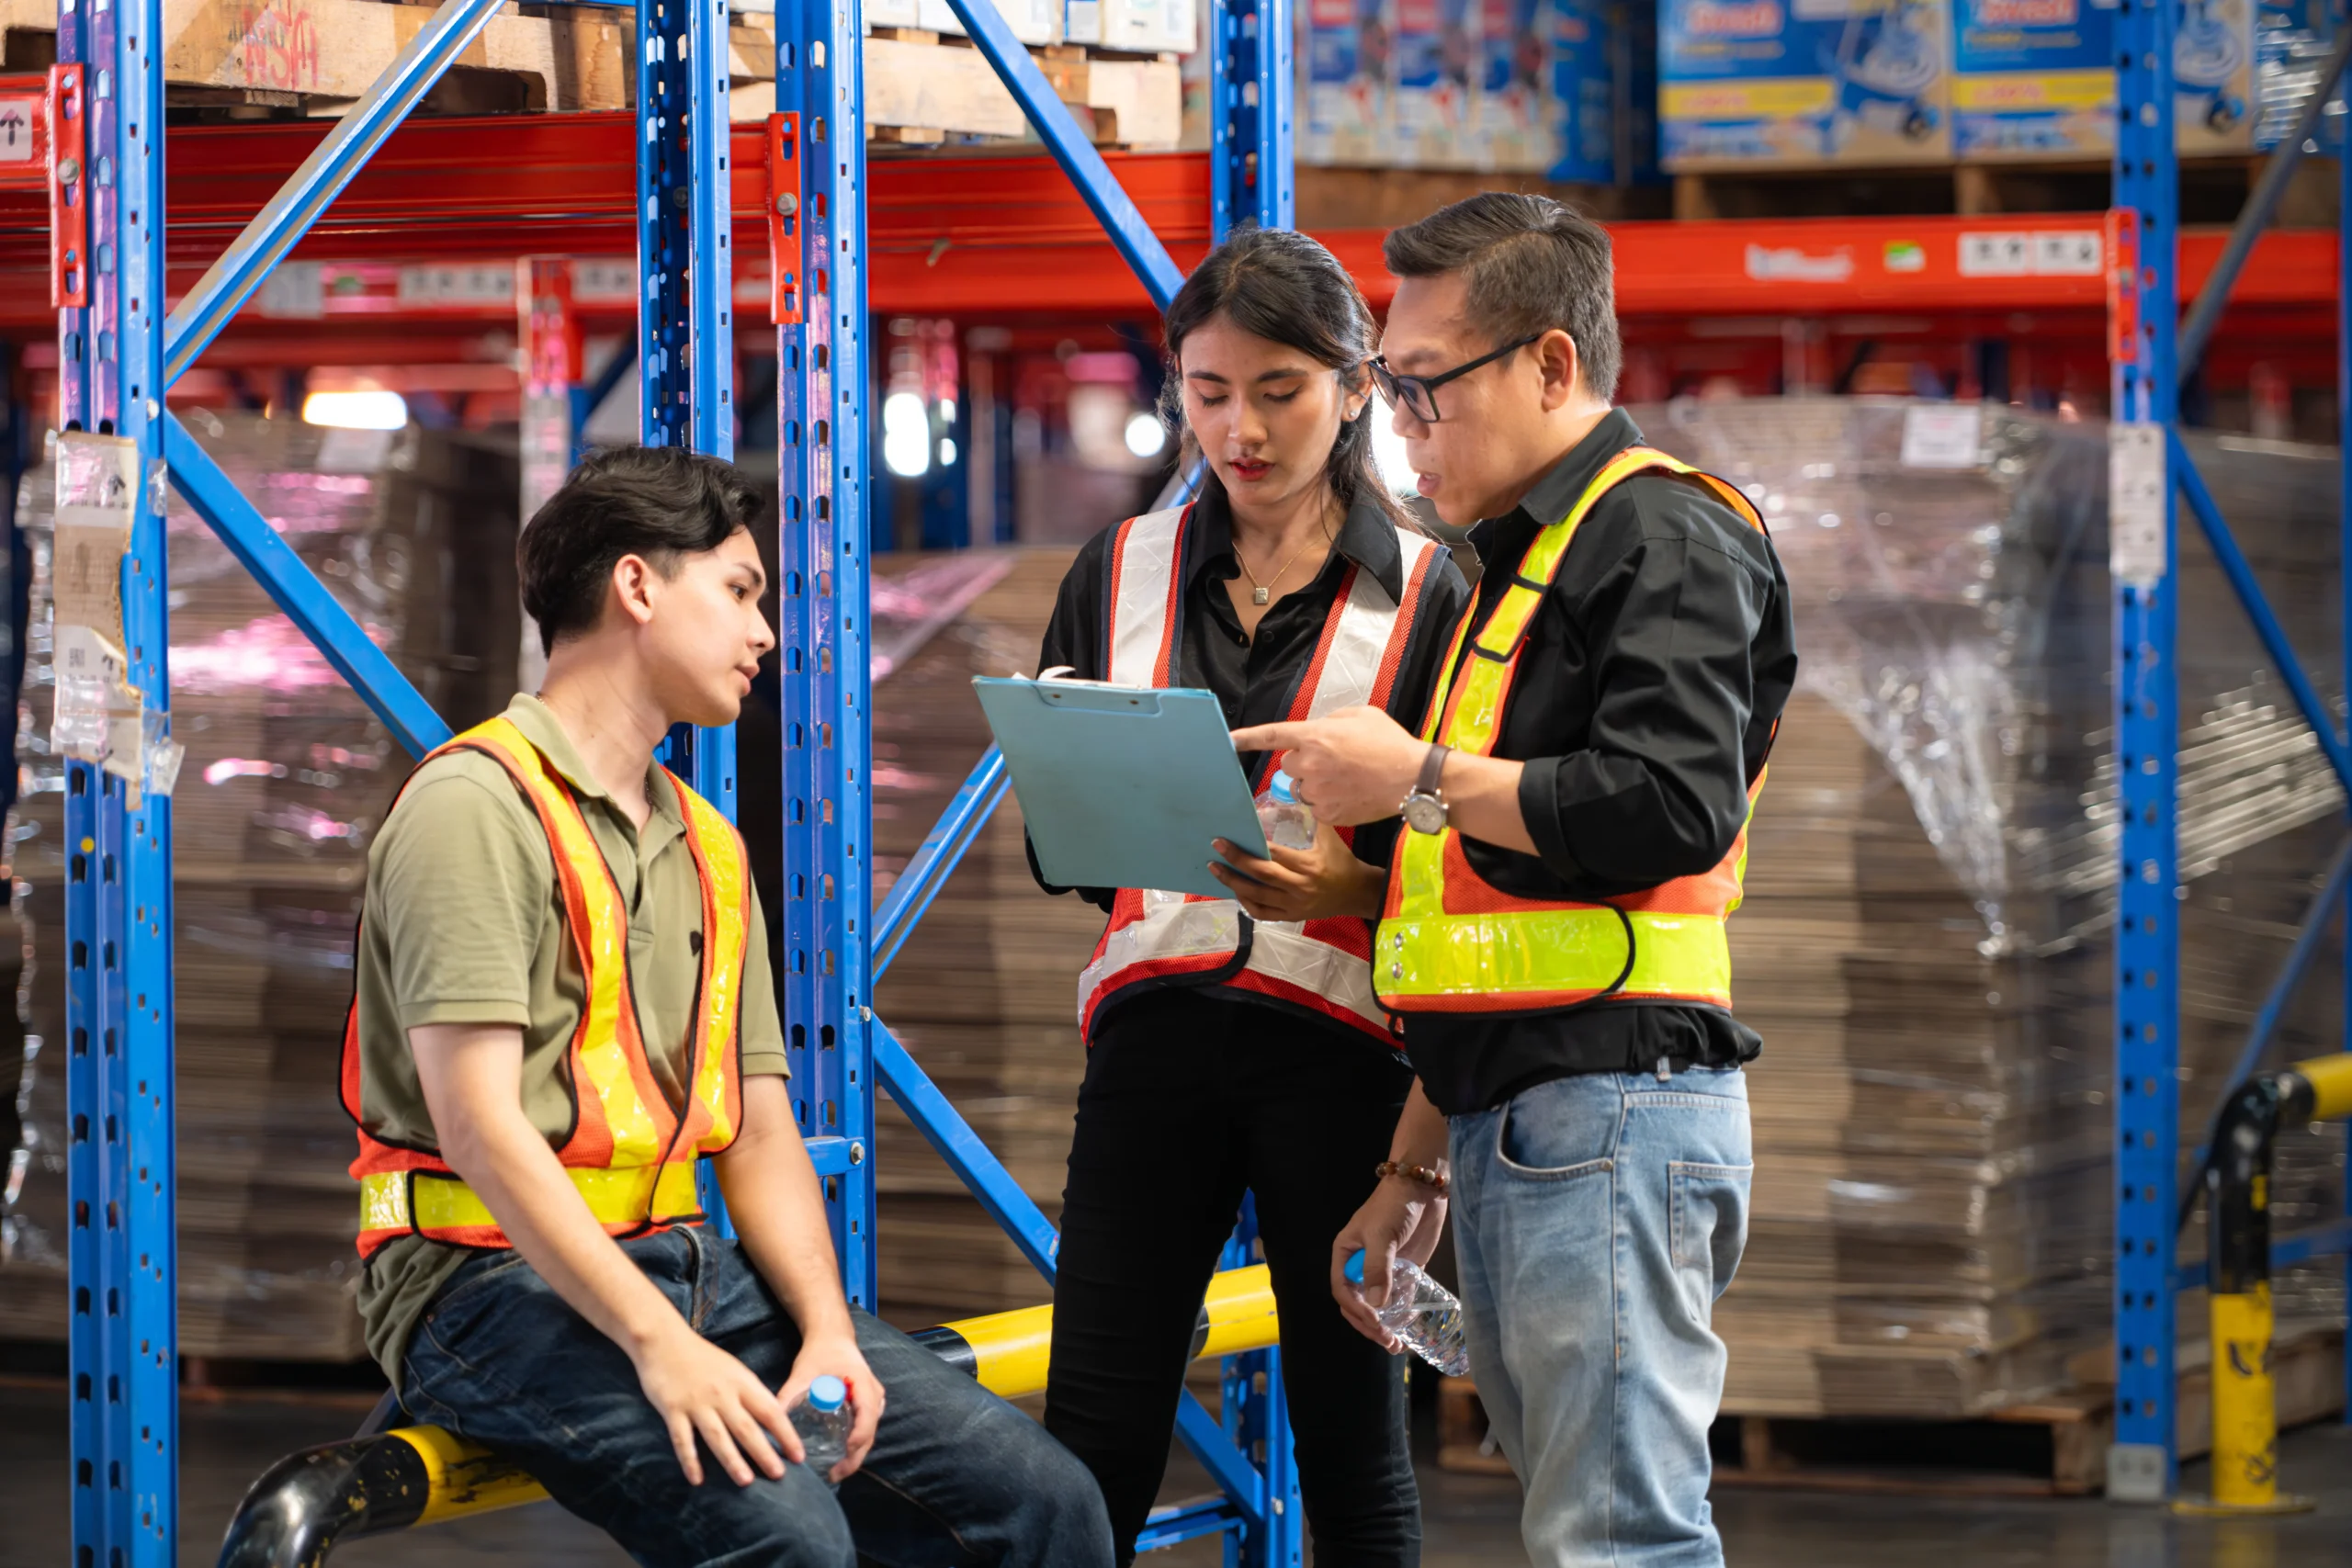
{"x":1256,"y":678}
{"x":1643,"y":703}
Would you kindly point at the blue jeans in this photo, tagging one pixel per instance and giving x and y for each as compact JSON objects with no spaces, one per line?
{"x":955,"y":1474}
{"x":1597,"y":1218}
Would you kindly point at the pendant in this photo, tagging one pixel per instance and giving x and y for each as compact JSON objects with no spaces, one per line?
{"x":1260,"y":596}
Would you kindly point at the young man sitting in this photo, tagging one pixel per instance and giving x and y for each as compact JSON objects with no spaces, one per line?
{"x":563,"y":999}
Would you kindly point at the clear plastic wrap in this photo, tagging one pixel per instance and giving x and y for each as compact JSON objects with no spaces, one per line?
{"x":287,"y":776}
{"x":1925,"y":946}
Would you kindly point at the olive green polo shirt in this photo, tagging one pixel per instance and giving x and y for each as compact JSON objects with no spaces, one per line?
{"x":463,"y":923}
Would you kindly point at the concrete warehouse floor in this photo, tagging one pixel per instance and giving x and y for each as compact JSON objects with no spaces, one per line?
{"x":1471,"y":1519}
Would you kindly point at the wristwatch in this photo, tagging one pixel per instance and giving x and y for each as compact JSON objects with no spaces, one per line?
{"x":1424,"y":809}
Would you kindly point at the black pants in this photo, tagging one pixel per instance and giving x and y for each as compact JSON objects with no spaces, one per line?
{"x":1191,"y":1098}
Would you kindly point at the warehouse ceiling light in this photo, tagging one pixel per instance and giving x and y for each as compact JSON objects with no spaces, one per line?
{"x":1147,"y":437}
{"x":906,"y":434}
{"x":373,"y":408}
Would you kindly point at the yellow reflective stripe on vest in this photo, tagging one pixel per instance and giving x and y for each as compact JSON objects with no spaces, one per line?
{"x":1554,"y":950}
{"x":616,"y":1195}
{"x":603,"y":946}
{"x":722,"y":863}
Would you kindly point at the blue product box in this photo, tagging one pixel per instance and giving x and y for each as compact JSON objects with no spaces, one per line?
{"x":2033,"y":78}
{"x":1584,"y":91}
{"x":1804,"y":81}
{"x":2292,"y":39}
{"x":1342,"y":63}
{"x":1515,"y":128}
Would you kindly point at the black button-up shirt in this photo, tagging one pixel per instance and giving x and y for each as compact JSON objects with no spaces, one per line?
{"x":1256,"y":678}
{"x":1643,"y":706}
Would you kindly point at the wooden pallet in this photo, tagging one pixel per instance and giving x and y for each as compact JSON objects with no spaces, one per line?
{"x":297,"y":59}
{"x":921,"y":88}
{"x":2055,"y":1446}
{"x":2211,"y":190}
{"x":313,"y":58}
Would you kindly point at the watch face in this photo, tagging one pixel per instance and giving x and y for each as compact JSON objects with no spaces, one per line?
{"x":1424,"y":813}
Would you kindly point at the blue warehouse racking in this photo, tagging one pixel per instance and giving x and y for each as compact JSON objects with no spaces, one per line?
{"x":119,"y":448}
{"x":118,"y":353}
{"x":2152,"y":350}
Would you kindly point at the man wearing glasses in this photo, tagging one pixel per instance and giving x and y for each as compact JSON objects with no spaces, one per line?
{"x":1553,"y":934}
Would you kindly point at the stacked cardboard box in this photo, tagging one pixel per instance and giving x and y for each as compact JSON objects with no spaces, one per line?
{"x":984,"y":995}
{"x":1893,"y":82}
{"x":1561,"y":87}
{"x":1925,"y":946}
{"x":287,"y":776}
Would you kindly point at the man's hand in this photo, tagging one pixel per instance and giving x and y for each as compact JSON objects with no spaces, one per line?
{"x":700,"y":1390}
{"x":1353,"y":766}
{"x":1319,"y":884}
{"x":1403,"y":1218}
{"x":837,"y":1354}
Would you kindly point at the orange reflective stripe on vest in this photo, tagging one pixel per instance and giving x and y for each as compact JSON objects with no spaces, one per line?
{"x":629,"y":1154}
{"x":1451,"y":941}
{"x":1162,"y":937}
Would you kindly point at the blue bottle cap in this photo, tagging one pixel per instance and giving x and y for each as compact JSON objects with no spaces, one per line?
{"x":1281,"y":788}
{"x":1353,"y":1268}
{"x":828,"y":1395}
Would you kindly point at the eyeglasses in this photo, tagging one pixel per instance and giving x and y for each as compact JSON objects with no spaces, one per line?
{"x":1417,"y":395}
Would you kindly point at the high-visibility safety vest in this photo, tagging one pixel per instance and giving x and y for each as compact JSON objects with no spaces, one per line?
{"x":629,"y":1154}
{"x":1451,"y":941}
{"x":1161,"y":937}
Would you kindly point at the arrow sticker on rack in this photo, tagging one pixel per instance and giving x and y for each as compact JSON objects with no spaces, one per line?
{"x":1996,"y":255}
{"x":16,"y":118}
{"x":2070,"y":253}
{"x":2066,"y":252}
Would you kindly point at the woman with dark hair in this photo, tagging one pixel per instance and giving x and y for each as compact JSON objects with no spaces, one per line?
{"x":1235,"y":1045}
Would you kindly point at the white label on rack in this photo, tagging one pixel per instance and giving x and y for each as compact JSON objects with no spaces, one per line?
{"x":1942,"y":435}
{"x":456,"y":286}
{"x":604,"y":283}
{"x":1996,"y":255}
{"x":2070,"y":253}
{"x":294,"y":291}
{"x":16,"y":118}
{"x":2138,"y":484}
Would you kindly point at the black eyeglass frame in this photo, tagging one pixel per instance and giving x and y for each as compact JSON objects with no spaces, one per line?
{"x":1414,"y":391}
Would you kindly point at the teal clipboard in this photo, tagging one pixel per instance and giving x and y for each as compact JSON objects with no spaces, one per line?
{"x":1123,"y":786}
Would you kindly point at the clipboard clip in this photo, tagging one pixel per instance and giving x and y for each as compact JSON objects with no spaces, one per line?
{"x":1058,"y":689}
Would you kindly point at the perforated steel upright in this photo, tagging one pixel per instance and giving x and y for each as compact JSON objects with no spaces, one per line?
{"x":2144,"y":243}
{"x":820,"y":136}
{"x":119,"y":898}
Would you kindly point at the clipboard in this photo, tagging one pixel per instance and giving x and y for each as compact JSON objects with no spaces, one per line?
{"x":1123,"y":786}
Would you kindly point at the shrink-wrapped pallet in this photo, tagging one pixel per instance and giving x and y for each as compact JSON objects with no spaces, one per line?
{"x":1927,"y":943}
{"x":286,"y":777}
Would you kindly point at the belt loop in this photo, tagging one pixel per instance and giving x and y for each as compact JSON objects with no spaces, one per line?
{"x":1664,"y":1071}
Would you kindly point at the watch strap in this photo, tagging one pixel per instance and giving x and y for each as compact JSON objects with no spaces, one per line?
{"x":1432,"y":770}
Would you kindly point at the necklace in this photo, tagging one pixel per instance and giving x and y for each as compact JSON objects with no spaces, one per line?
{"x":1260,"y":593}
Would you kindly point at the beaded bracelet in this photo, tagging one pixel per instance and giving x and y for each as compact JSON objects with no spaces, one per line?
{"x":1435,"y":1180}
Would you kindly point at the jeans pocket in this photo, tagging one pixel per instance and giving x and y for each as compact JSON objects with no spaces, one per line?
{"x":1709,"y":1227}
{"x":1554,"y":1133}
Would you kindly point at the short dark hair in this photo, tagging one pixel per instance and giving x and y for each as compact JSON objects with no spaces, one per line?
{"x":1279,"y":285}
{"x":1530,"y":265}
{"x":660,"y":502}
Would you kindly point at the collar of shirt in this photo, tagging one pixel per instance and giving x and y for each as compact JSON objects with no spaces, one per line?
{"x":1549,"y":499}
{"x":543,"y":730}
{"x":1366,"y":538}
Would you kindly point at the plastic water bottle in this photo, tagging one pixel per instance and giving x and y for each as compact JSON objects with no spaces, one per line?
{"x":1421,"y":1313}
{"x":821,"y":1416}
{"x":1286,"y":822}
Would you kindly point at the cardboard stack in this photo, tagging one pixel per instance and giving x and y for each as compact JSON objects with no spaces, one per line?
{"x":984,"y":994}
{"x":287,"y":776}
{"x":1925,"y":944}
